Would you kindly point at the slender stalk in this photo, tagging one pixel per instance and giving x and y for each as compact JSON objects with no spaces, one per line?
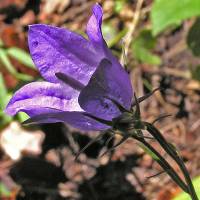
{"x":164,"y":164}
{"x":173,"y":153}
{"x":128,"y":37}
{"x":187,"y":178}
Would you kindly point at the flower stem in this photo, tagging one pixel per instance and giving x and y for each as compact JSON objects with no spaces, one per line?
{"x":173,"y":153}
{"x":164,"y":164}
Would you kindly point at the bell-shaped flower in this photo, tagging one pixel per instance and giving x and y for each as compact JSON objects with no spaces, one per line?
{"x":82,"y":76}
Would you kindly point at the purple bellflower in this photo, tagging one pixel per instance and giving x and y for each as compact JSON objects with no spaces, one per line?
{"x":87,"y":88}
{"x":84,"y":81}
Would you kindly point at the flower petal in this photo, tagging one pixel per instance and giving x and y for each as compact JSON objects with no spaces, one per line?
{"x":41,"y":97}
{"x":105,"y":84}
{"x":56,"y":50}
{"x":75,"y":119}
{"x":93,"y":28}
{"x":96,"y":37}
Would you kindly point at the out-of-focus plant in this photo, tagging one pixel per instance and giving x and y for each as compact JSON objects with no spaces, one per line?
{"x":18,"y":54}
{"x":4,"y":192}
{"x":119,"y":4}
{"x":21,"y":56}
{"x":166,"y":13}
{"x":184,"y":196}
{"x":5,"y":62}
{"x":142,"y":46}
{"x":4,"y":98}
{"x":196,"y":73}
{"x":5,"y":95}
{"x":111,"y":35}
{"x":193,"y":39}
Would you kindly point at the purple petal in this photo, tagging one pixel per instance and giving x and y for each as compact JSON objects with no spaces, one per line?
{"x":75,"y":119}
{"x":93,"y":28}
{"x":56,"y":50}
{"x":105,"y":82}
{"x":122,"y":77}
{"x":41,"y":97}
{"x":95,"y":35}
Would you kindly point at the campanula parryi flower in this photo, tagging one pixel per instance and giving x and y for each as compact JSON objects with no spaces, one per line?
{"x":82,"y":76}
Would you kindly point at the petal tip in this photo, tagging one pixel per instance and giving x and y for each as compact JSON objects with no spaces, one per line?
{"x":97,"y":7}
{"x":33,"y":26}
{"x":38,"y":27}
{"x":98,"y":11}
{"x":93,"y":28}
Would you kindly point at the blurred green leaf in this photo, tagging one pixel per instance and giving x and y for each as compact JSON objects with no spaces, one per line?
{"x":4,"y":97}
{"x":193,"y":38}
{"x":22,"y":56}
{"x":119,"y":4}
{"x":147,"y":84}
{"x":116,"y":39}
{"x":3,"y":92}
{"x":6,"y":62}
{"x":169,"y":12}
{"x":4,"y":191}
{"x":23,"y":77}
{"x":108,"y":31}
{"x":22,"y":116}
{"x":196,"y":73}
{"x":141,"y":47}
{"x":185,"y":196}
{"x":111,"y":35}
{"x":1,"y":43}
{"x":11,"y":69}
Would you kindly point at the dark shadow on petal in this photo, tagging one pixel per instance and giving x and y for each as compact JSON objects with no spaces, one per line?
{"x":70,"y":81}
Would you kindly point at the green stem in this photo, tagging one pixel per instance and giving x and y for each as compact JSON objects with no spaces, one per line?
{"x":187,"y":178}
{"x":164,"y":164}
{"x":173,"y":153}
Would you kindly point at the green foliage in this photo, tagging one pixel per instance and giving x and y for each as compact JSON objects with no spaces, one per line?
{"x":4,"y":60}
{"x":4,"y":191}
{"x":21,"y":56}
{"x":21,"y":116}
{"x":111,"y":35}
{"x":108,"y":31}
{"x":196,"y":73}
{"x":142,"y":46}
{"x":119,"y":4}
{"x":193,"y":41}
{"x":18,"y":54}
{"x":165,"y":13}
{"x":116,"y":39}
{"x":193,"y":38}
{"x":4,"y":96}
{"x":184,"y":196}
{"x":1,"y":43}
{"x":3,"y":92}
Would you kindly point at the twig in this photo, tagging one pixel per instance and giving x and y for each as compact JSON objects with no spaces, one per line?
{"x":128,"y":37}
{"x":175,"y":72}
{"x":195,"y":125}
